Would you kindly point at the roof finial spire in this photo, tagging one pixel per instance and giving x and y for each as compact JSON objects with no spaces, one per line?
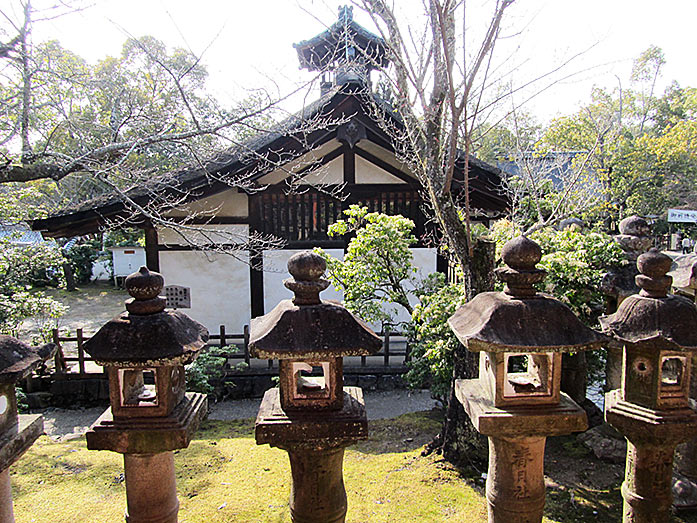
{"x":345,"y":13}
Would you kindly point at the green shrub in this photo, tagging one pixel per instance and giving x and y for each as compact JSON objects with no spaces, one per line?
{"x":81,"y":256}
{"x":431,"y":341}
{"x":208,"y":368}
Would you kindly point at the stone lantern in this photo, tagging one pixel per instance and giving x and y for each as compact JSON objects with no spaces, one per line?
{"x":618,"y":283}
{"x":312,"y":415}
{"x":658,"y":334}
{"x":517,"y":401}
{"x":17,"y":431}
{"x":144,"y":351}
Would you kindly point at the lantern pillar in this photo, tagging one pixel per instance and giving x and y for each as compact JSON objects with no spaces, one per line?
{"x":312,"y":415}
{"x":151,"y":490}
{"x":517,"y":402}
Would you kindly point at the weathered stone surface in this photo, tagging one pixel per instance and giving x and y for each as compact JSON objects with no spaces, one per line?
{"x":684,"y":493}
{"x":147,"y":335}
{"x":520,"y":319}
{"x":515,"y":488}
{"x":18,"y":360}
{"x":149,"y":435}
{"x":148,"y":340}
{"x":14,"y":443}
{"x":521,"y":421}
{"x":653,"y":427}
{"x":652,"y":316}
{"x":684,"y":272}
{"x":306,"y":331}
{"x":151,"y":490}
{"x":319,"y":430}
{"x":318,"y":494}
{"x":652,"y":436}
{"x":306,"y":327}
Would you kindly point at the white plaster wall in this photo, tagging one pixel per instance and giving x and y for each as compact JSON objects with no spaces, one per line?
{"x":219,"y":284}
{"x":329,"y":174}
{"x":276,"y":270}
{"x":203,"y":234}
{"x":367,"y":172}
{"x":323,"y":175}
{"x":425,"y":263}
{"x":226,"y":203}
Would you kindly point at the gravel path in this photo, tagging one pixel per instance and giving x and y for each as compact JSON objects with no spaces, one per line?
{"x":65,"y":424}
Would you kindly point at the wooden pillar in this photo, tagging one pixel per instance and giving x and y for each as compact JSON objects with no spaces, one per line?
{"x":349,"y":165}
{"x":152,"y":249}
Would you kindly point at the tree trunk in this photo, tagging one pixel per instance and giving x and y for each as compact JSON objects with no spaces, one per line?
{"x":69,"y":277}
{"x":459,"y":442}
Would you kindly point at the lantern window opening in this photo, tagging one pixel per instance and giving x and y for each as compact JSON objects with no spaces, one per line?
{"x":672,"y":370}
{"x":138,"y":387}
{"x":527,"y":374}
{"x":308,"y":384}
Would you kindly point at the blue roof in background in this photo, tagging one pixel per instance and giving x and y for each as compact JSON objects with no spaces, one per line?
{"x":20,"y":234}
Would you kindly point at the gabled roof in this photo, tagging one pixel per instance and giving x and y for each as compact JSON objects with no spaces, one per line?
{"x":339,"y":43}
{"x":255,"y":158}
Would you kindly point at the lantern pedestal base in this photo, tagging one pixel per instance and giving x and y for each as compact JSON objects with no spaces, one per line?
{"x":315,"y":442}
{"x":149,"y":435}
{"x":652,"y":436}
{"x":515,"y":488}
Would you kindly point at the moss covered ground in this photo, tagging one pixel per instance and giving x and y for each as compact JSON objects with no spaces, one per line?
{"x":225,"y":476}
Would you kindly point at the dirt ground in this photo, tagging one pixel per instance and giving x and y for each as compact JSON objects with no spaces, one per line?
{"x":89,"y":307}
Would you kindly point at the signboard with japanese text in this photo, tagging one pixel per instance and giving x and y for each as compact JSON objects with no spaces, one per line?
{"x":682,"y":216}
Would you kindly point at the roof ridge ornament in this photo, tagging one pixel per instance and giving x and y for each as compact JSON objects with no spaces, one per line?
{"x":345,"y":14}
{"x":521,"y":255}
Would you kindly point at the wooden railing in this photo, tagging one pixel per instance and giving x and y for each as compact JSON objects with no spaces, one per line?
{"x":220,"y":340}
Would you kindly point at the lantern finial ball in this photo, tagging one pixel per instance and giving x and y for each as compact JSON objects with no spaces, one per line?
{"x":521,"y":253}
{"x":145,"y":288}
{"x":653,"y":280}
{"x":306,"y":266}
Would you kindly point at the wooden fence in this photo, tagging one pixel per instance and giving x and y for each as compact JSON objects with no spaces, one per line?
{"x":223,"y":339}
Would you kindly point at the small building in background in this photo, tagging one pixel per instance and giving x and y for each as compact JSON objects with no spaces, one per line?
{"x":289,"y":183}
{"x":126,"y":260}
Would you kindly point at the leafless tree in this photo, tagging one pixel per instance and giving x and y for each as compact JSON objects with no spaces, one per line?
{"x":96,"y":135}
{"x":437,"y":80}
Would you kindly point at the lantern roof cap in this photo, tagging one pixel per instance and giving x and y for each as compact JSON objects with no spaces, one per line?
{"x":146,"y":334}
{"x":307,"y":327}
{"x":520,"y":319}
{"x":18,"y":360}
{"x":654,"y":317}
